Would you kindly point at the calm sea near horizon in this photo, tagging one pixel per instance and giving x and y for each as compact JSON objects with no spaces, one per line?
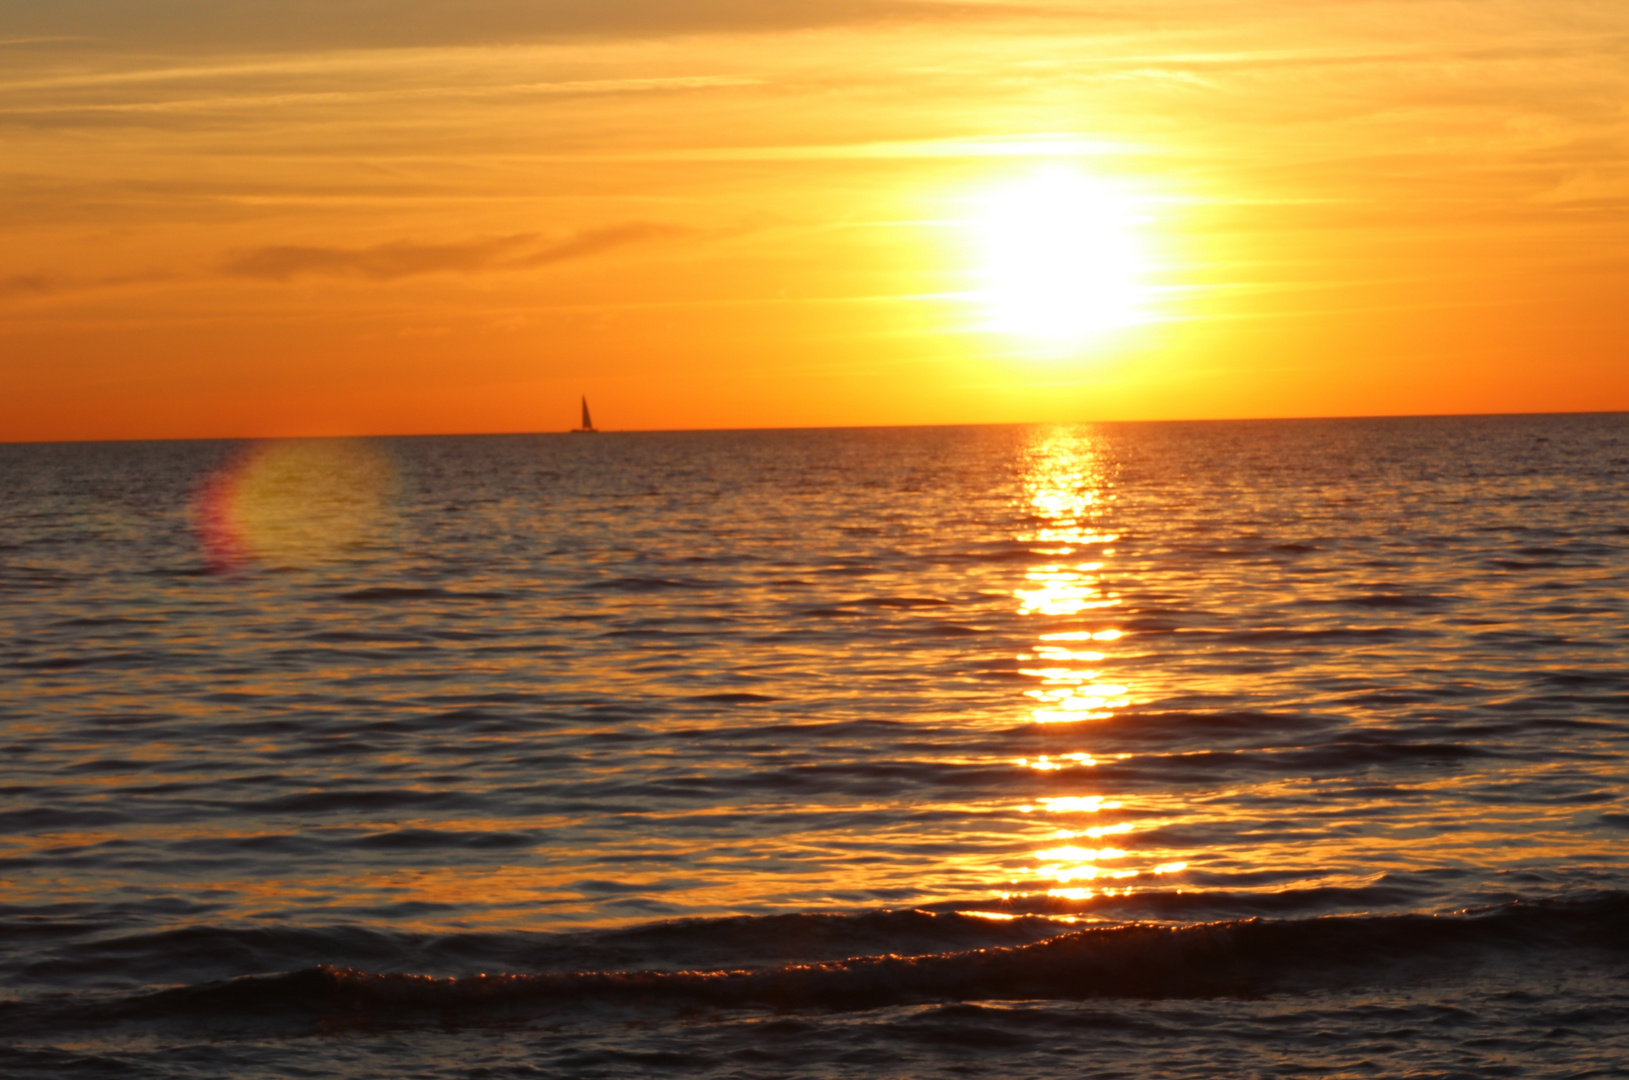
{"x":1269,"y":748}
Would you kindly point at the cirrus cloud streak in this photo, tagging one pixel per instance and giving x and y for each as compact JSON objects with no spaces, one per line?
{"x":400,"y":259}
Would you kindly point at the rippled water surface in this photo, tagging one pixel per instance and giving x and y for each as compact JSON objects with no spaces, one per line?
{"x":964,"y":749}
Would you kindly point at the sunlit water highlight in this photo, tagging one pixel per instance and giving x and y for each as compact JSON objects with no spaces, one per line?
{"x":448,"y":706}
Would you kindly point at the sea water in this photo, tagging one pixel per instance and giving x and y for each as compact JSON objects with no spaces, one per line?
{"x":1192,"y":749}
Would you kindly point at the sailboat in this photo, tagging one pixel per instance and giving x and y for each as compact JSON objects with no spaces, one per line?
{"x":588,"y":427}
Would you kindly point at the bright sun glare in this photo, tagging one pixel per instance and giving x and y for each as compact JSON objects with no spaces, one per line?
{"x":1061,"y":260}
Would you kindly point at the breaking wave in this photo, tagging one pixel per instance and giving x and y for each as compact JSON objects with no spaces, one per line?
{"x":1240,"y":958}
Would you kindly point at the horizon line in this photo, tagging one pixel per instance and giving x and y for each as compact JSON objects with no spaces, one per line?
{"x":824,"y":427}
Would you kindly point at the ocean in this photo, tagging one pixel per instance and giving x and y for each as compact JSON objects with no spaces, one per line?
{"x":1225,"y":749}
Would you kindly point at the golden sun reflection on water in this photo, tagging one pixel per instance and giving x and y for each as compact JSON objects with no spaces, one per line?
{"x":1069,"y":493}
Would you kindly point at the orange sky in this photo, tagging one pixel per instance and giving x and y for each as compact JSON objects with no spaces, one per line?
{"x":284,"y":217}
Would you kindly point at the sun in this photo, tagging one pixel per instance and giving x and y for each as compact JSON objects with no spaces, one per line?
{"x":1060,"y":257}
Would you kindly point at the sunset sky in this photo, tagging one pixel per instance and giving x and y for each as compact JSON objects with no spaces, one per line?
{"x":290,"y":217}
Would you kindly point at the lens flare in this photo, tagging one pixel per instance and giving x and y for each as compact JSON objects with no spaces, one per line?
{"x":294,"y":503}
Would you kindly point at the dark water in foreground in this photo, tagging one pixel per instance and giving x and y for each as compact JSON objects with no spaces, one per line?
{"x":1278,"y":748}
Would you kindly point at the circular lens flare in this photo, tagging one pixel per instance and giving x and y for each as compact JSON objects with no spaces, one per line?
{"x":293,"y":503}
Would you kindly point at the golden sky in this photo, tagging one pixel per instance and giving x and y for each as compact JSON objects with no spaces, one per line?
{"x":292,"y":217}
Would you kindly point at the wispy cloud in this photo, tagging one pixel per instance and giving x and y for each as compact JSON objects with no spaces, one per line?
{"x":43,"y":285}
{"x":218,"y":109}
{"x":593,"y":241}
{"x":273,"y":25}
{"x":400,"y":259}
{"x":6,"y":43}
{"x":29,"y":285}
